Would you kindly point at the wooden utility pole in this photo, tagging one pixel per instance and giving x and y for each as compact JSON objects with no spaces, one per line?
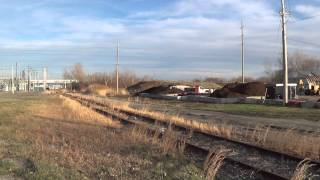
{"x":283,"y":14}
{"x":242,"y":50}
{"x":117,"y":66}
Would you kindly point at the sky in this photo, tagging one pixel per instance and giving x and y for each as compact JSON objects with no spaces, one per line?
{"x":165,"y":39}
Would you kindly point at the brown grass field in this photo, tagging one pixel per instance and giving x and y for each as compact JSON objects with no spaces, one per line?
{"x":48,"y":137}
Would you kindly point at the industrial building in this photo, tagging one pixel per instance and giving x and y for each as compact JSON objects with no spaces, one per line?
{"x":29,"y":80}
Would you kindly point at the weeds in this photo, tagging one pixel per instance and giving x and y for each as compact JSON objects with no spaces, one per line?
{"x":140,"y":134}
{"x":76,"y":111}
{"x":169,"y":142}
{"x":65,"y":141}
{"x":301,"y":171}
{"x":213,"y":163}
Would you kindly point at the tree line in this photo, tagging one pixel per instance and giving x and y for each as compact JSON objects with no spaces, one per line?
{"x":126,"y":78}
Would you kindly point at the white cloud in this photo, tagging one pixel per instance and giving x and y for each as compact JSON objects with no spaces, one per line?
{"x":34,"y":44}
{"x":234,"y":9}
{"x":86,"y":25}
{"x":190,"y":37}
{"x":308,"y":10}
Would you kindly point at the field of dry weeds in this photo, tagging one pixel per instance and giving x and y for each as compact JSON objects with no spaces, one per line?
{"x":48,"y":137}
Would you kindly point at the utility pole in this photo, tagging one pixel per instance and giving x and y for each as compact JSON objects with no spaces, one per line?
{"x":242,"y":50}
{"x":12,"y":80}
{"x":44,"y":78}
{"x":117,"y":66}
{"x":283,"y":14}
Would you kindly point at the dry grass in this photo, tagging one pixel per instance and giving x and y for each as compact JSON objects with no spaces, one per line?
{"x":213,"y":163}
{"x":301,"y":171}
{"x":60,"y":139}
{"x":169,"y":142}
{"x":102,"y":90}
{"x":196,"y":125}
{"x":141,"y":134}
{"x":76,"y":111}
{"x":303,"y":145}
{"x":288,"y":141}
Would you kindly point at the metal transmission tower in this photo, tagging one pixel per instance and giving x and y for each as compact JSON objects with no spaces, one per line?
{"x":17,"y":78}
{"x":44,"y":79}
{"x":283,"y":14}
{"x":117,"y":66}
{"x":12,"y":80}
{"x":28,"y":78}
{"x":242,"y":50}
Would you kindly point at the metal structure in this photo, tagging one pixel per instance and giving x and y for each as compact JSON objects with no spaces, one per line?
{"x":45,"y":79}
{"x":13,"y":79}
{"x":7,"y":79}
{"x":51,"y":84}
{"x":284,"y":51}
{"x":242,"y":50}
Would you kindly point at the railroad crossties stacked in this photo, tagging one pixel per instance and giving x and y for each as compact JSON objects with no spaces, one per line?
{"x":251,"y":154}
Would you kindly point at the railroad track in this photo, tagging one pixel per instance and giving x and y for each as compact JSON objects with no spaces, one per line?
{"x":308,"y":132}
{"x":302,"y":131}
{"x":271,"y":127}
{"x":264,"y":163}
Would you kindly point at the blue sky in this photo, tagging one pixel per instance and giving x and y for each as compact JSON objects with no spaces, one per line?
{"x":166,"y":39}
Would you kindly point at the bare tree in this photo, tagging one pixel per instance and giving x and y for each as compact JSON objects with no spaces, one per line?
{"x":303,"y":64}
{"x":67,"y":74}
{"x":299,"y":64}
{"x":126,"y":78}
{"x":76,"y":72}
{"x":215,"y":80}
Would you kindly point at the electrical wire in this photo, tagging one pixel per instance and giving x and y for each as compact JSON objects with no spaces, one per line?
{"x":305,"y":19}
{"x":304,"y":42}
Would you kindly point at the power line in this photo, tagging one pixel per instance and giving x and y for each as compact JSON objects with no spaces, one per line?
{"x":306,"y":18}
{"x":304,"y":42}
